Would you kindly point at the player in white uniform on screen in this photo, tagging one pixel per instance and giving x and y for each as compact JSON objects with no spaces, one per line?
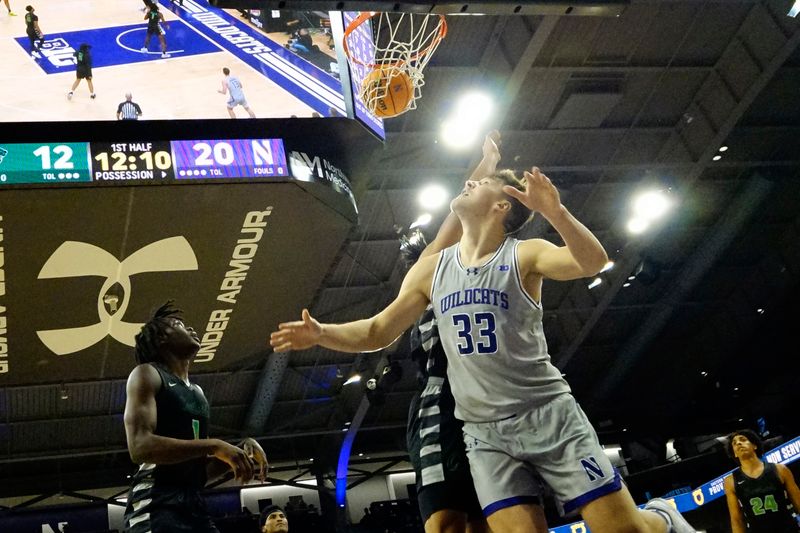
{"x":521,"y":422}
{"x":233,"y":87}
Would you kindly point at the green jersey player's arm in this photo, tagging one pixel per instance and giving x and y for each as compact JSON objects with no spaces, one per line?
{"x":737,"y":518}
{"x":790,"y":485}
{"x":370,"y":334}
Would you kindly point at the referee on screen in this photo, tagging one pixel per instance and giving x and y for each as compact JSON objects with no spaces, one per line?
{"x":128,"y":110}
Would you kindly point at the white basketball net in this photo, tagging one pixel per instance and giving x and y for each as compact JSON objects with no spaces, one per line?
{"x":404,"y":43}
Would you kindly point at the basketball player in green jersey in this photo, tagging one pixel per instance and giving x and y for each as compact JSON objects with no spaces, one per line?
{"x":762,"y":497}
{"x":166,"y":424}
{"x":154,"y":19}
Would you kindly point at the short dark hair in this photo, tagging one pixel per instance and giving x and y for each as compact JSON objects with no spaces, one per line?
{"x":749,"y":435}
{"x":268,"y":511}
{"x":148,"y":339}
{"x":518,"y":215}
{"x":28,"y":8}
{"x":226,"y":70}
{"x":411,"y":247}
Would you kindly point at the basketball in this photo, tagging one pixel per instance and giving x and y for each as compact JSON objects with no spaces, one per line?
{"x":387,"y":93}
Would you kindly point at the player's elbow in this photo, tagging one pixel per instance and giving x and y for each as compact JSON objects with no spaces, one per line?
{"x":139,"y":448}
{"x":594,"y":264}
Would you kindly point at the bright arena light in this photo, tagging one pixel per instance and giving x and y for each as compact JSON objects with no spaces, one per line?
{"x":433,"y":197}
{"x":638,"y":225}
{"x":422,"y":220}
{"x":650,"y":206}
{"x":795,"y":9}
{"x":595,"y":282}
{"x":352,"y":379}
{"x":457,"y":133}
{"x":608,"y":266}
{"x":474,"y":107}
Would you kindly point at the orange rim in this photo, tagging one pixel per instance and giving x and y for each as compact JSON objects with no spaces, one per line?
{"x":366,"y":15}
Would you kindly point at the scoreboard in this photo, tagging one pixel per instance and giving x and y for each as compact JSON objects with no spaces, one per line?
{"x":148,"y":161}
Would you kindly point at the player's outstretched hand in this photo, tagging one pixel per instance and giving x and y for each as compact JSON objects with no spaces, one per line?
{"x":237,"y":459}
{"x":257,"y":455}
{"x":539,"y":195}
{"x":298,"y":335}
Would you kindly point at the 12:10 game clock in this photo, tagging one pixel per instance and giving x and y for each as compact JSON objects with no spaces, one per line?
{"x":132,"y":161}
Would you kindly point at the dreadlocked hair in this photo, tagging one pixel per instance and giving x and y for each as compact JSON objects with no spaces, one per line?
{"x":411,"y":247}
{"x":518,"y":215}
{"x":147,"y":340}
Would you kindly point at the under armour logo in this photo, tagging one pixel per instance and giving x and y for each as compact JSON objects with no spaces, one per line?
{"x":472,"y":271}
{"x":76,"y":259}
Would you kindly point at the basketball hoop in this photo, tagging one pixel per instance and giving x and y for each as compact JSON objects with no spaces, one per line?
{"x":403,"y":45}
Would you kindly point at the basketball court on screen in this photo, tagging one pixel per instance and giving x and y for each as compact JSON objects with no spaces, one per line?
{"x":201,"y":40}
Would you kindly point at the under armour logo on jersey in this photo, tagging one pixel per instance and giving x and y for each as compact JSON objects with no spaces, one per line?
{"x":472,"y":271}
{"x":504,"y":268}
{"x":592,"y":469}
{"x":77,"y":259}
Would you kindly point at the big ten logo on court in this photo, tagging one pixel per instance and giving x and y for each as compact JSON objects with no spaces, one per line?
{"x":58,"y":52}
{"x":77,"y":259}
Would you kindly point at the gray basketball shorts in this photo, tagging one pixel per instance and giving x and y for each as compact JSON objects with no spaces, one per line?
{"x":233,"y":102}
{"x":554,"y":444}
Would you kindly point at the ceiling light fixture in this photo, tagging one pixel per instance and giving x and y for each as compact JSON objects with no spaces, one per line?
{"x":608,"y":266}
{"x":651,"y":205}
{"x":795,"y":9}
{"x":723,"y":148}
{"x":433,"y":196}
{"x":638,"y":225}
{"x":422,"y":220}
{"x":353,"y":379}
{"x":717,"y":157}
{"x":458,"y":134}
{"x":595,"y":282}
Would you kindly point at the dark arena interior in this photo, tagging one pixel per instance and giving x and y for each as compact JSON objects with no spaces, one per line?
{"x":670,"y":128}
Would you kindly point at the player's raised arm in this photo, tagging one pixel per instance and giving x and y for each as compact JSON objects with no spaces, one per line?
{"x":582,"y":255}
{"x":366,"y":335}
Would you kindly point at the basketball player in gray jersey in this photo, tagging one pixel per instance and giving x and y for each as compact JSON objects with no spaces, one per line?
{"x":233,"y":87}
{"x":520,"y":420}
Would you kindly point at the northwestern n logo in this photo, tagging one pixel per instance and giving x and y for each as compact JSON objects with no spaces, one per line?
{"x":592,"y":469}
{"x":75,"y":259}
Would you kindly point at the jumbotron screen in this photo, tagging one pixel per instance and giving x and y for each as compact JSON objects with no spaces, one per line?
{"x":279,"y":64}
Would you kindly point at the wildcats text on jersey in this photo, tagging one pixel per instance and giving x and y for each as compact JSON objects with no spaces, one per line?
{"x":475,"y":295}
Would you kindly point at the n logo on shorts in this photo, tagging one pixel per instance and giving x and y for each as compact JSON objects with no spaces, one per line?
{"x":592,"y":469}
{"x":77,"y":259}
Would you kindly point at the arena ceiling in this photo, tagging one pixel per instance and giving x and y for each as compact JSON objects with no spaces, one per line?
{"x":698,"y":342}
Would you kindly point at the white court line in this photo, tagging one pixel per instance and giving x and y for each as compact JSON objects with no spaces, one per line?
{"x":139,"y":51}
